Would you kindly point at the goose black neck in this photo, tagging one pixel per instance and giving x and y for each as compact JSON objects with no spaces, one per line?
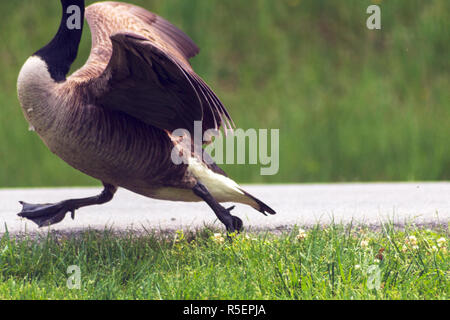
{"x":61,"y":52}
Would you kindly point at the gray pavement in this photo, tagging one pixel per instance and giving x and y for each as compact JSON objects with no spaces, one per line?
{"x":303,"y":205}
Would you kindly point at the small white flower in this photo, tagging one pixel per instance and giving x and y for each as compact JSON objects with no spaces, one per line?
{"x":441,"y":242}
{"x":301,"y":234}
{"x":218,"y":238}
{"x":364,"y":243}
{"x":434,"y":249}
{"x":411,"y":240}
{"x":357,"y":266}
{"x":247,"y":237}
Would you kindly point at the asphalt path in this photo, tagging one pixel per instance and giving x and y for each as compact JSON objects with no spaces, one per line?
{"x":303,"y":205}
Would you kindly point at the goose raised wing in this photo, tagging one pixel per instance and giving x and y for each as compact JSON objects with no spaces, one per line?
{"x":148,"y":75}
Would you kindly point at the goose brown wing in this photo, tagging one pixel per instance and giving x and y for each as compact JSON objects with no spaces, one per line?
{"x":167,"y":32}
{"x":148,"y":75}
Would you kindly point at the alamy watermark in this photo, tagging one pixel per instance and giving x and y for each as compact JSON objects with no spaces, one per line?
{"x":239,"y":146}
{"x":374,"y":20}
{"x":74,"y":20}
{"x":74,"y":279}
{"x":374,"y":277}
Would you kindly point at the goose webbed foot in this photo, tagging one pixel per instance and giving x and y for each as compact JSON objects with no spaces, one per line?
{"x":46,"y":214}
{"x":232,"y":223}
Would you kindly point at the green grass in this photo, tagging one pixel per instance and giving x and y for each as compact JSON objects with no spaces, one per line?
{"x":336,"y":262}
{"x":351,"y":104}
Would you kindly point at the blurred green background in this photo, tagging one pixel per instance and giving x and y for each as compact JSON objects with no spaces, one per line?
{"x":351,"y":104}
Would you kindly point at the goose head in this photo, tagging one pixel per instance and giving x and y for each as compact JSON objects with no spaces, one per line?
{"x":59,"y":54}
{"x":49,"y":65}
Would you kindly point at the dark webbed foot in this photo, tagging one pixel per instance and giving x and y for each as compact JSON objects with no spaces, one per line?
{"x":45,"y":214}
{"x":232,"y":223}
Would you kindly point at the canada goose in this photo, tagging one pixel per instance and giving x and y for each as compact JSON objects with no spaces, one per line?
{"x":112,"y":119}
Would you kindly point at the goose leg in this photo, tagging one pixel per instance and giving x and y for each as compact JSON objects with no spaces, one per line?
{"x":48,"y":214}
{"x":231,"y":222}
